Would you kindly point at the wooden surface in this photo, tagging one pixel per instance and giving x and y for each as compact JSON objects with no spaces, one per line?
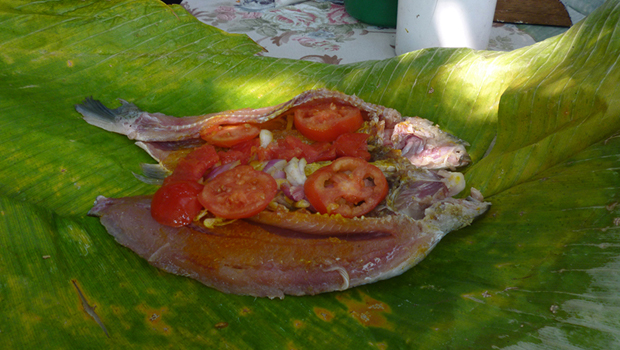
{"x":542,"y":12}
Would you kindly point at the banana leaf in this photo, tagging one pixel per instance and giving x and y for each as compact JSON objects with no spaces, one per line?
{"x":540,"y":270}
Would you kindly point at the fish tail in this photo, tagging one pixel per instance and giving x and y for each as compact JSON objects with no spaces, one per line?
{"x":117,"y":120}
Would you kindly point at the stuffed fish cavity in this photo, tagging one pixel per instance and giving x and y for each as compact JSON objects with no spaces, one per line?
{"x":321,"y":193}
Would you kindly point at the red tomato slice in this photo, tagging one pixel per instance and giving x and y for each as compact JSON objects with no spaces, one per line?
{"x":291,"y":146}
{"x":349,"y":186}
{"x":176,"y":203}
{"x":242,"y":152}
{"x":326,"y":121}
{"x":238,"y":193}
{"x":285,"y":148}
{"x":229,"y":135}
{"x":232,"y":155}
{"x":352,"y":145}
{"x":195,"y":164}
{"x":323,"y":151}
{"x":312,"y":153}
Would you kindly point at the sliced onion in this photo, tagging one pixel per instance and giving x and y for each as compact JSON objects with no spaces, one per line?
{"x":278,"y":174}
{"x":220,"y":169}
{"x":296,"y":193}
{"x":273,"y":165}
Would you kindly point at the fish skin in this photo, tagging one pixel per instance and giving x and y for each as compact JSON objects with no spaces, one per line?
{"x":139,"y":125}
{"x":245,"y":258}
{"x":440,"y":150}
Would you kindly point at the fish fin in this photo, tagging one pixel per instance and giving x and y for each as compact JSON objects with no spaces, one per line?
{"x":152,"y":174}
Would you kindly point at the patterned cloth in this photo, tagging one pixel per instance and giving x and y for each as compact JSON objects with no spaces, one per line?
{"x":318,"y":30}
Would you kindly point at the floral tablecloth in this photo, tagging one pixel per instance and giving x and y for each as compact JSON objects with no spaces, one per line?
{"x":319,"y":30}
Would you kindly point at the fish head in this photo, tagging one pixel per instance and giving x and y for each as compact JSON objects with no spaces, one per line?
{"x":455,"y":155}
{"x":446,"y":156}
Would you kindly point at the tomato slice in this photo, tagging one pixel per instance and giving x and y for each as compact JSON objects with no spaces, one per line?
{"x":242,"y":152}
{"x":195,"y":164}
{"x":238,"y":193}
{"x":326,"y":121}
{"x":349,"y":186}
{"x":291,"y":146}
{"x":352,"y":145}
{"x":312,"y":153}
{"x":176,"y":203}
{"x":229,"y":135}
{"x":322,"y":151}
{"x":285,"y":148}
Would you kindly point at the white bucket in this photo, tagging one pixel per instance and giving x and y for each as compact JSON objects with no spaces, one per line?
{"x":443,"y":23}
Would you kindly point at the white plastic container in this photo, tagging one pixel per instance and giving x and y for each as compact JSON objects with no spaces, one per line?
{"x":443,"y":23}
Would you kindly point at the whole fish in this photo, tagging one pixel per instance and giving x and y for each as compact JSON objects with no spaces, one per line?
{"x":284,"y":250}
{"x":422,"y":142}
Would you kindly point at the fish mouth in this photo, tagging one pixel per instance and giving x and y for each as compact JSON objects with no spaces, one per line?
{"x":464,"y":160}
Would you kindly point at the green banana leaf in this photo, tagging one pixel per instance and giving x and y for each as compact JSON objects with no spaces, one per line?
{"x":540,"y":270}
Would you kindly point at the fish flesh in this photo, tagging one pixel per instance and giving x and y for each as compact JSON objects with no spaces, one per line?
{"x":284,"y":250}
